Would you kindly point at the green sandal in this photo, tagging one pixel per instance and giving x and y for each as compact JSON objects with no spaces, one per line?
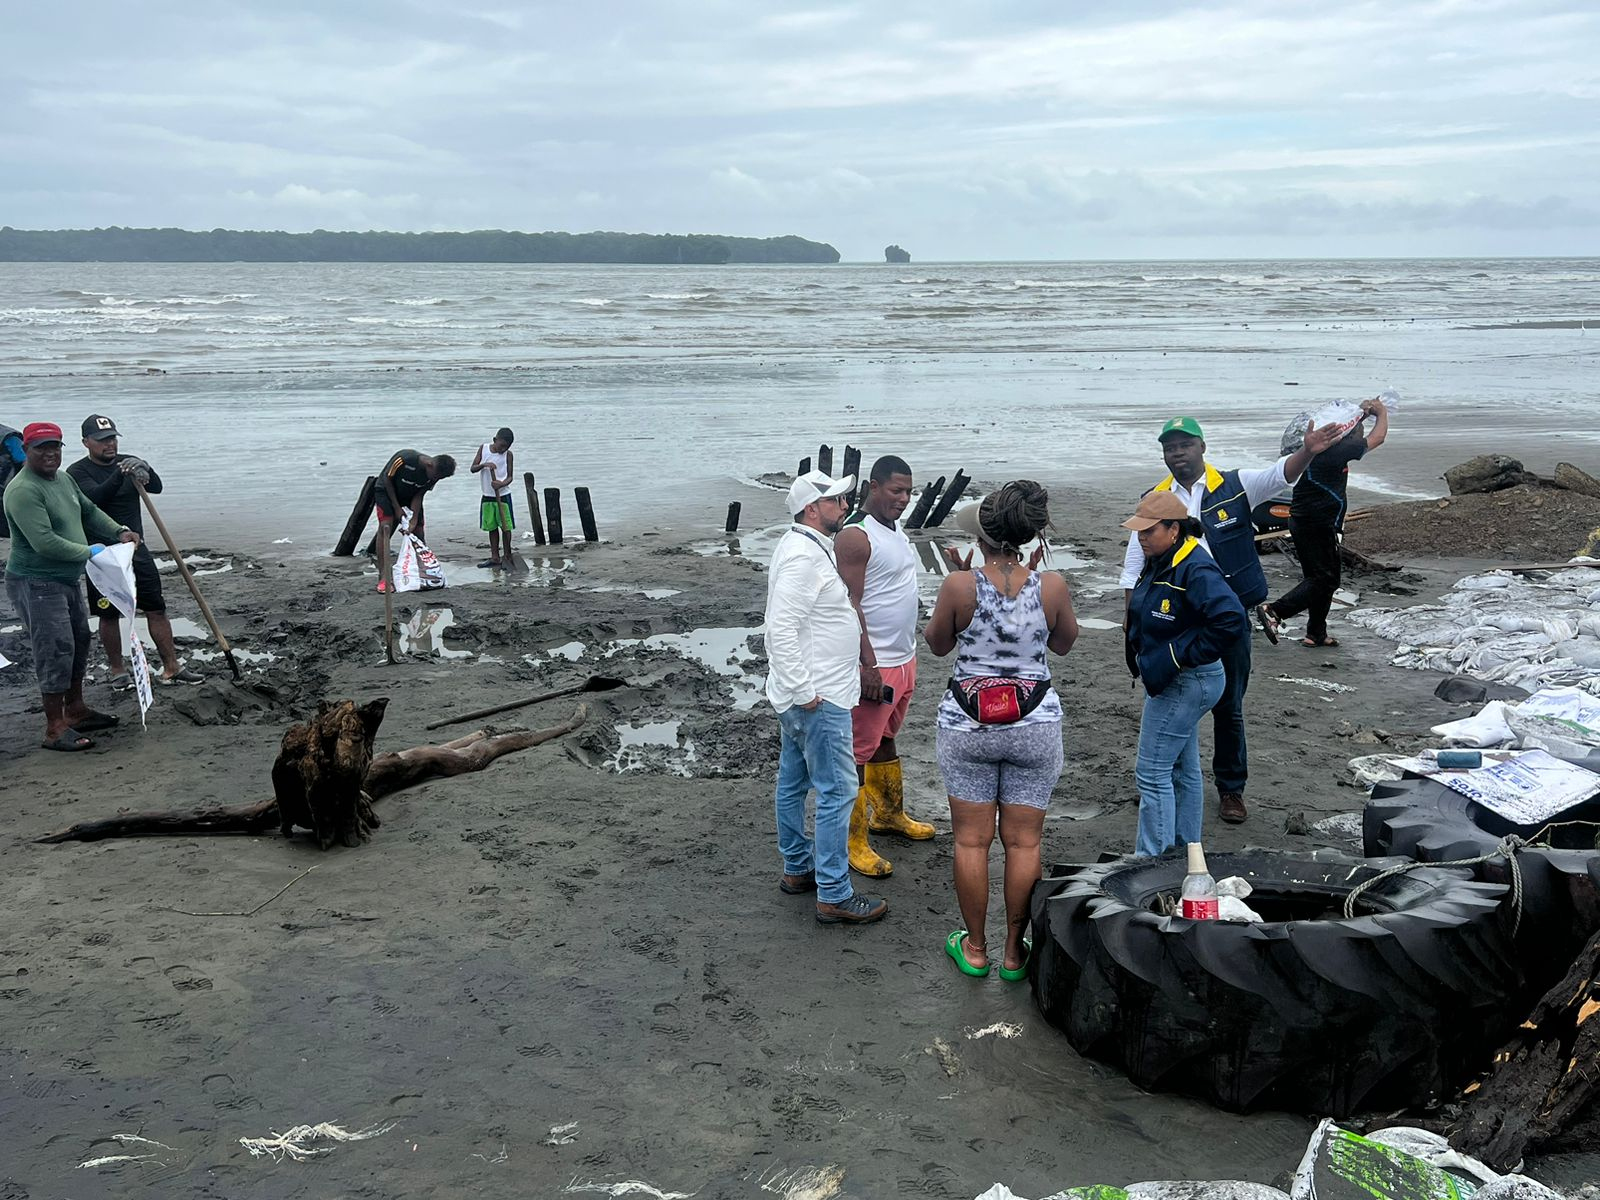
{"x":952,"y":947}
{"x":1021,"y":972}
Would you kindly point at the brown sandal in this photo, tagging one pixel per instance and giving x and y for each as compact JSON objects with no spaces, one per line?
{"x":1313,"y":643}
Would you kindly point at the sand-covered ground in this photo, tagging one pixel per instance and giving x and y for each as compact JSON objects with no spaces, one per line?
{"x":575,"y":967}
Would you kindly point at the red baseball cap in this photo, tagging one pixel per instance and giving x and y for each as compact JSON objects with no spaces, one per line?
{"x":40,"y":431}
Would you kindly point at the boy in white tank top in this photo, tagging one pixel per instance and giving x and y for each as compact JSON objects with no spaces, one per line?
{"x":493,"y":465}
{"x":879,"y":568}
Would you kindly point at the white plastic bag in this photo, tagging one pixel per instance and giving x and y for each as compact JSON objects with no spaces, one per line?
{"x":416,"y":569}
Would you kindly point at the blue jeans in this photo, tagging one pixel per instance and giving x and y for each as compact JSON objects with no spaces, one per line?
{"x":1230,"y":761}
{"x":1171,"y":790}
{"x":817,"y":751}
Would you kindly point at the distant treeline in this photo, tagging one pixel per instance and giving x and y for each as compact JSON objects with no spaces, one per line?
{"x":118,"y":244}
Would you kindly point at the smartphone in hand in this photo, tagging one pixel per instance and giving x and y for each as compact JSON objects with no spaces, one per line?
{"x":887,"y":696}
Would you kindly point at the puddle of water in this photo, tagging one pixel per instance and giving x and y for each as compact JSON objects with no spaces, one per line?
{"x":1097,"y":623}
{"x":636,"y":739}
{"x":423,"y":634}
{"x":571,"y":651}
{"x":246,"y":657}
{"x":183,"y":630}
{"x":647,"y":593}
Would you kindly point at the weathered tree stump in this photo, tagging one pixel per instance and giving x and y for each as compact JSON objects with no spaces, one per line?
{"x":321,"y":770}
{"x":313,"y":772}
{"x":1546,"y":1079}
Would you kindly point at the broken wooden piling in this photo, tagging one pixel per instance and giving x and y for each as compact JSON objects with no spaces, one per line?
{"x":825,"y":459}
{"x":535,"y":520}
{"x":952,"y":495}
{"x":586,"y":514}
{"x":732,"y":525}
{"x":552,"y":514}
{"x":359,"y":516}
{"x":919,"y":514}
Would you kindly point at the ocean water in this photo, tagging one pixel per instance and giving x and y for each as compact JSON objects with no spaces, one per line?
{"x":265,"y":393}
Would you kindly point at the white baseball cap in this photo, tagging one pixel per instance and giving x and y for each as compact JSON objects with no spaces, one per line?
{"x":814,"y":486}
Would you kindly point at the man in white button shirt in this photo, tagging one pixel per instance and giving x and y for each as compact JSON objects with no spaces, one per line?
{"x":813,"y":639}
{"x":1222,"y":502}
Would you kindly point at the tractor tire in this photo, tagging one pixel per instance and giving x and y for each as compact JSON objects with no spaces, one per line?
{"x":1306,"y":1012}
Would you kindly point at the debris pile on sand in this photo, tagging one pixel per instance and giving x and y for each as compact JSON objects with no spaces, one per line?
{"x":1522,"y":524}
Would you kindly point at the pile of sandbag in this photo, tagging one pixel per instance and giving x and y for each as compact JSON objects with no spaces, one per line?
{"x":1504,"y":628}
{"x":1401,"y":1163}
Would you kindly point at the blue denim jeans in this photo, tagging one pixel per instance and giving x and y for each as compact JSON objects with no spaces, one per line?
{"x":1230,"y":760}
{"x":1171,"y":790}
{"x":817,"y":752}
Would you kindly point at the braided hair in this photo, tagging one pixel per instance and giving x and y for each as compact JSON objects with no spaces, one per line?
{"x":1015,"y":514}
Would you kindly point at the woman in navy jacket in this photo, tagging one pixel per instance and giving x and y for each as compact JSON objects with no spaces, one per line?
{"x":1182,"y":615}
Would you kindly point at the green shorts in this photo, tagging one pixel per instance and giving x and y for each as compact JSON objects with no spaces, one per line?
{"x":496,"y":514}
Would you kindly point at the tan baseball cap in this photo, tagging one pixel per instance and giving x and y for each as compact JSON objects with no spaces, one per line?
{"x":1157,"y":507}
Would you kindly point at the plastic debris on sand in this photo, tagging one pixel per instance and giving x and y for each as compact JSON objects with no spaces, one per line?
{"x":297,"y":1142}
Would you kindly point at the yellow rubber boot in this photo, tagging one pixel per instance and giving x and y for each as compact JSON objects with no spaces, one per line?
{"x":886,"y":795}
{"x":863,"y":858}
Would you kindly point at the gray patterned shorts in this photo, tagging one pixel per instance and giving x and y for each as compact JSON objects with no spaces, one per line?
{"x":1011,"y":764}
{"x":57,"y":618}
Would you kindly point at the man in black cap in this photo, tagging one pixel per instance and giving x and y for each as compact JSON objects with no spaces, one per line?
{"x":107,"y":478}
{"x":1222,"y":501}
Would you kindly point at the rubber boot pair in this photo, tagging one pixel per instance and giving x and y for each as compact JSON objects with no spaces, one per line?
{"x":882,"y":795}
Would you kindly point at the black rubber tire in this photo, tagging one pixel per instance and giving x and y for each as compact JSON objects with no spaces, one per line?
{"x":1330,"y":1016}
{"x":1424,"y":820}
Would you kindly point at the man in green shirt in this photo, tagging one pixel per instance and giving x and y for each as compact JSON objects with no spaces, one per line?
{"x":51,"y":522}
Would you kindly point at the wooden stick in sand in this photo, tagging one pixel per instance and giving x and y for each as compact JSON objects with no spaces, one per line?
{"x":188,"y":578}
{"x":534,"y":515}
{"x":595,"y":683}
{"x":386,"y":586}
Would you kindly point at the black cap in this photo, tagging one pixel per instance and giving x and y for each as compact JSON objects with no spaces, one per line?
{"x":98,"y":428}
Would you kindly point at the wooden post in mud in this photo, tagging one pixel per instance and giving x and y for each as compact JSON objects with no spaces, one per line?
{"x":919,"y":514}
{"x":732,"y":525}
{"x":825,"y":459}
{"x":805,"y":466}
{"x":552,"y":514}
{"x":852,"y":466}
{"x":536,"y":522}
{"x":586,"y":514}
{"x":951,"y":495}
{"x":359,"y":516}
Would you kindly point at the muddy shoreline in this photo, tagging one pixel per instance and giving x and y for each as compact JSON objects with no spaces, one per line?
{"x":588,"y":934}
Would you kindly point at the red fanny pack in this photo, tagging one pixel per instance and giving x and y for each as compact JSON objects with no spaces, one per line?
{"x":996,"y":700}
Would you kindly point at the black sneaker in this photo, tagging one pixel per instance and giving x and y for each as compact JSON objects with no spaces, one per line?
{"x":858,"y":910}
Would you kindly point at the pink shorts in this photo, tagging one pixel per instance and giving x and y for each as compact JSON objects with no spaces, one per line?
{"x":872,"y":721}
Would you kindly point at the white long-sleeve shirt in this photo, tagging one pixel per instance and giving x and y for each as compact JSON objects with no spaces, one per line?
{"x":813,"y":635}
{"x":1260,"y":483}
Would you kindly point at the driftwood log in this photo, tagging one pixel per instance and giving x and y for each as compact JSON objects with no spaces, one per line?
{"x":1546,"y":1080}
{"x":326,"y":779}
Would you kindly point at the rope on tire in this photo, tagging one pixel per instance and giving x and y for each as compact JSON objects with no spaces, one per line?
{"x":1508,"y":847}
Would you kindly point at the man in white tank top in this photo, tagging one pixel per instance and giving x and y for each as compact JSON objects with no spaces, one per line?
{"x":879,"y":568}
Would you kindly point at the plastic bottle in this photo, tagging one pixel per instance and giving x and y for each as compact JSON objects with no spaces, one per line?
{"x":1199,"y":889}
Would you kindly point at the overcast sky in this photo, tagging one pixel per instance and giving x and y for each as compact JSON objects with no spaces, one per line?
{"x":997,"y":130}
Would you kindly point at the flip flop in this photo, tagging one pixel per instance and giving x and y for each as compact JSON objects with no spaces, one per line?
{"x":1012,"y":976}
{"x":96,"y":721}
{"x":1269,"y":623}
{"x":952,"y":947}
{"x":70,"y":741}
{"x":1325,"y":643}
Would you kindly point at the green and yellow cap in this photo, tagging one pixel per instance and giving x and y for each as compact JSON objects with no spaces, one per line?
{"x":1181,"y":425}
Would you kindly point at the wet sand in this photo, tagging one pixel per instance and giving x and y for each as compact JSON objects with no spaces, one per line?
{"x":575,"y":967}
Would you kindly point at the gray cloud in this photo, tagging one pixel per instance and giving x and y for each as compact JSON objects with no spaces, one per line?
{"x":1013,"y":130}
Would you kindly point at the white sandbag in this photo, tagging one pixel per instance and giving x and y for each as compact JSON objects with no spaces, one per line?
{"x":1400,"y":1164}
{"x":1201,"y":1189}
{"x":1487,"y":727}
{"x":415,"y":567}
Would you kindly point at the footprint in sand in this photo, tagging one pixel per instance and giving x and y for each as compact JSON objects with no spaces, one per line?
{"x":185,"y":979}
